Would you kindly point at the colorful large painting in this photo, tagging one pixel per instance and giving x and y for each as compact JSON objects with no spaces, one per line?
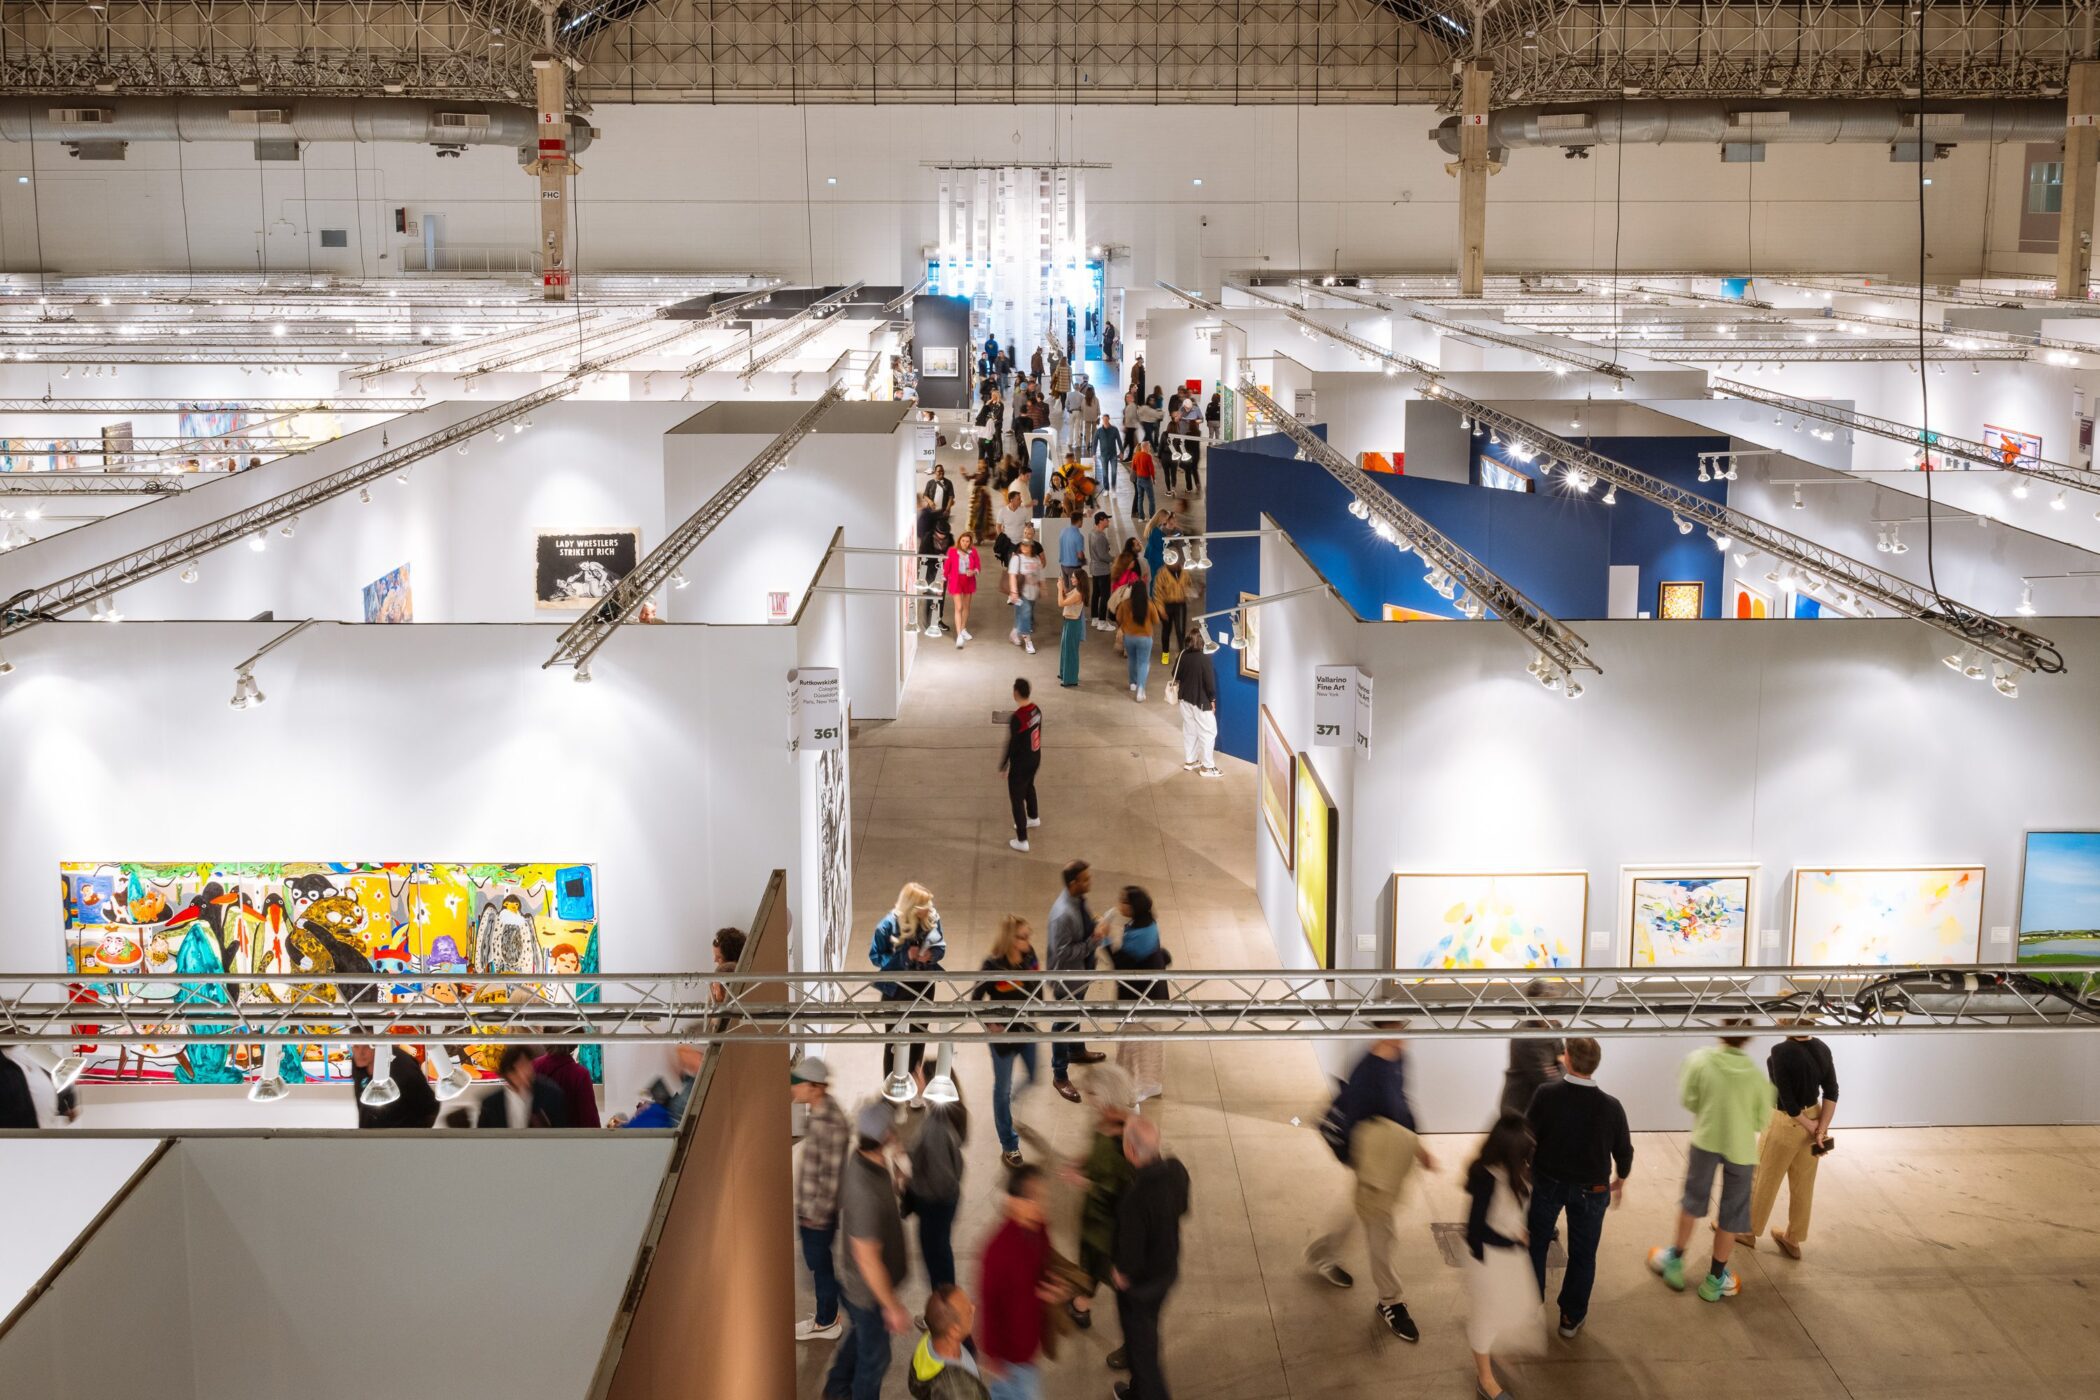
{"x":1278,"y":802}
{"x":1317,"y":853}
{"x":1686,"y":915}
{"x":437,"y":925}
{"x":1900,"y":917}
{"x":389,"y":598}
{"x":1521,"y":920}
{"x":2060,"y":897}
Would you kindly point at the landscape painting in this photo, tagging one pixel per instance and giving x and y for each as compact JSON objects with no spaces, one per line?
{"x":1894,"y":916}
{"x":1277,"y":805}
{"x":437,"y":925}
{"x":2060,"y":898}
{"x":1452,"y":922}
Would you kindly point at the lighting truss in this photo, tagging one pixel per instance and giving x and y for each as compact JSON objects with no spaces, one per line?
{"x":1839,"y":351}
{"x":1199,"y":303}
{"x":1606,"y":287}
{"x":1561,"y":647}
{"x":1342,"y":294}
{"x":1475,"y":331}
{"x":1972,"y":627}
{"x":2044,"y":293}
{"x":94,"y":483}
{"x":608,"y":336}
{"x":846,"y":1008}
{"x":754,"y":338}
{"x":1394,"y":360}
{"x":47,"y":404}
{"x":428,"y":356}
{"x":580,"y":641}
{"x":1961,"y":337}
{"x":1943,"y":444}
{"x":43,"y":604}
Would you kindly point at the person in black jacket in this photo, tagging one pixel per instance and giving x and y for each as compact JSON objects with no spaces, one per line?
{"x":417,"y":1107}
{"x":1794,"y":1140}
{"x":1147,"y":1255}
{"x":1023,"y":756}
{"x":18,"y":1105}
{"x":525,"y":1100}
{"x":1581,"y":1136}
{"x":1196,"y":683}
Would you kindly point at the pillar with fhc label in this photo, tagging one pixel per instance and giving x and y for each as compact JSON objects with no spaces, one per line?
{"x":553,"y":167}
{"x":2074,"y":240}
{"x":1475,"y":82}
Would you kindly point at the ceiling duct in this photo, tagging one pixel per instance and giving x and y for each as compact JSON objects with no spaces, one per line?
{"x":364,"y":120}
{"x":1711,"y":122}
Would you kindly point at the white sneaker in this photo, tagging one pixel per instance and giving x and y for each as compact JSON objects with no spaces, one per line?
{"x":1035,"y":821}
{"x":1141,"y":695}
{"x":1212,"y":773}
{"x":1029,"y":643}
{"x":1190,"y":767}
{"x":807,"y":1330}
{"x":1019,"y":844}
{"x":936,"y":632}
{"x":1014,"y":636}
{"x":964,"y":636}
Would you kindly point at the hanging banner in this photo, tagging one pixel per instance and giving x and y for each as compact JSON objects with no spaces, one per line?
{"x":1334,"y":707}
{"x":814,"y":722}
{"x":1363,"y":714}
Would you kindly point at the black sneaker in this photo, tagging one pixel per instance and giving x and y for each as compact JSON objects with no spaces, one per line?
{"x":1396,"y":1318}
{"x":1119,"y":1360}
{"x":1335,"y":1274}
{"x":1120,"y":1390}
{"x":1568,"y":1329}
{"x":1081,"y":1320}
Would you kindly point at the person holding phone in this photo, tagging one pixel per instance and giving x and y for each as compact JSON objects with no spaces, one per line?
{"x":1795,"y":1138}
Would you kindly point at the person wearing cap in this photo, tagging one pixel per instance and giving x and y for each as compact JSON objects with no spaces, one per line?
{"x":875,"y":1261}
{"x":825,"y":1144}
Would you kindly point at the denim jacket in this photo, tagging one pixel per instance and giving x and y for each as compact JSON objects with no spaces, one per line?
{"x":889,"y":954}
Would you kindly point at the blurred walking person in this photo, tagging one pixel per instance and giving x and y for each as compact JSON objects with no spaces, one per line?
{"x":1729,"y":1098}
{"x":1147,"y":1255}
{"x":875,"y":1262}
{"x":1503,"y":1301}
{"x":1580,"y":1136}
{"x":827,"y":1141}
{"x":1370,"y":1128}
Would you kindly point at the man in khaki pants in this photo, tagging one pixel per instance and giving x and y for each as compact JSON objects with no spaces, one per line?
{"x":1372,"y":1117}
{"x":1801,"y":1070}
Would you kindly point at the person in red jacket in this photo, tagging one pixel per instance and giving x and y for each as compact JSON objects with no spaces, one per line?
{"x":1013,"y":1287}
{"x":1023,"y":756}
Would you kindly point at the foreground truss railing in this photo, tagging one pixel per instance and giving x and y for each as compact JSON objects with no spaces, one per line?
{"x":67,"y":1012}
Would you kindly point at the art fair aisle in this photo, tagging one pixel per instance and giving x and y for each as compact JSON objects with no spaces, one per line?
{"x":1945,"y":1263}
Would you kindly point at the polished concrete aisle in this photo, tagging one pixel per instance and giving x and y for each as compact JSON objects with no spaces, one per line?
{"x":1943,"y":1264}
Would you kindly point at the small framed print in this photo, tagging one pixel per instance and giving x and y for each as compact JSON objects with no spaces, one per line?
{"x":1680,"y":601}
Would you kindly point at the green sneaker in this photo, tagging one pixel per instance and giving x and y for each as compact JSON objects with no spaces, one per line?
{"x":1670,"y":1264}
{"x":1713,"y":1290}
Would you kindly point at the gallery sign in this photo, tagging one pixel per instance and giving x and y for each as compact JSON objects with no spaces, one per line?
{"x":815,"y":714}
{"x":1342,"y":708}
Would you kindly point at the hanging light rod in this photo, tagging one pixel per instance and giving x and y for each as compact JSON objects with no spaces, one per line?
{"x":1475,"y":331}
{"x":1605,"y":286}
{"x":1564,"y":652}
{"x":1263,"y":600}
{"x":754,"y":338}
{"x":1584,"y":467}
{"x":1341,"y":293}
{"x":1200,"y":303}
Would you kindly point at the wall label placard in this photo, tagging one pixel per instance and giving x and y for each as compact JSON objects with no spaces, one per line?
{"x":1334,"y":707}
{"x":815,"y":716}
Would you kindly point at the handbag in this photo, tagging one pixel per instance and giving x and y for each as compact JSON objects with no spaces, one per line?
{"x":1173,"y":692}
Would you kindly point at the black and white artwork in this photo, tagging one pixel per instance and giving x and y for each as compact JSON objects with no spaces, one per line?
{"x":573,"y":569}
{"x":835,"y":845}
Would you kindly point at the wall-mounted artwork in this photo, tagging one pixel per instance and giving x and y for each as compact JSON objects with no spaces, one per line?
{"x":1750,"y":603}
{"x":116,"y":447}
{"x":1318,"y":850}
{"x":1250,"y":654}
{"x":388,"y":598}
{"x":835,"y":849}
{"x":1514,"y":920}
{"x":573,"y":569}
{"x":2013,"y":447}
{"x":1685,"y":915}
{"x":940,"y":362}
{"x":1680,"y":601}
{"x":1278,"y":801}
{"x":1393,"y":612}
{"x":438,"y":925}
{"x":1901,"y":916}
{"x":2060,"y":897}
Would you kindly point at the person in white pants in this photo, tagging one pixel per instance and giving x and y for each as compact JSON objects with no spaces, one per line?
{"x":1196,"y":683}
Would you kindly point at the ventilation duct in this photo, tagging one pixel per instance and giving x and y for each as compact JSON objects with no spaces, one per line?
{"x":365,"y":120}
{"x":1711,"y":122}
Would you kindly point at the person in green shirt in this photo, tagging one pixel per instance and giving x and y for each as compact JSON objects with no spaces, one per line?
{"x":1730,"y":1099}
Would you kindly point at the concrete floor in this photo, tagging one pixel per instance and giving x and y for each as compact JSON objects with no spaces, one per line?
{"x":1946,"y":1263}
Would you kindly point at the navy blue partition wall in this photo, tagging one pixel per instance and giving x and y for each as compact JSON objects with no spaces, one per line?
{"x":1552,"y":543}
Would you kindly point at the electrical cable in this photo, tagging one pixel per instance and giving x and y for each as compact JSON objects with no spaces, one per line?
{"x":1932,"y":579}
{"x":36,"y":204}
{"x":182,"y":197}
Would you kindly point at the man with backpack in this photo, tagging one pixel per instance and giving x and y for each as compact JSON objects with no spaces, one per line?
{"x":1371,"y":1129}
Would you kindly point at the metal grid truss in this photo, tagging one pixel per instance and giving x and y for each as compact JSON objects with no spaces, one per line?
{"x":1563,"y":649}
{"x":47,"y":404}
{"x":776,"y":335}
{"x":1941,"y":444}
{"x":1556,"y":51}
{"x":580,"y":641}
{"x":96,"y":483}
{"x":847,"y":1008}
{"x":1066,"y":51}
{"x":1363,"y":348}
{"x":425,"y":48}
{"x":1474,"y":330}
{"x":1583,"y":467}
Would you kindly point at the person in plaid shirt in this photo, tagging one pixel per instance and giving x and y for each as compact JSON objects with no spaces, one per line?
{"x":824,"y":1150}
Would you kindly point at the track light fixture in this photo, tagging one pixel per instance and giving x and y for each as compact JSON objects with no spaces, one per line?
{"x":1799,"y":502}
{"x":257,"y":543}
{"x":380,"y":1090}
{"x":1704,"y":474}
{"x":364,"y":495}
{"x":678,"y":579}
{"x":1896,"y":544}
{"x":2002,"y":681}
{"x":289,"y":528}
{"x":188,"y":574}
{"x":1720,"y":540}
{"x":1684,"y":526}
{"x":2026,"y":608}
{"x":2058,"y":502}
{"x":1881,"y":541}
{"x":268,"y":1087}
{"x":1611,"y":494}
{"x":1358,"y":509}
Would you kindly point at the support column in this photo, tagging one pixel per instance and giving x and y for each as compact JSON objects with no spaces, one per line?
{"x":2074,"y":233}
{"x":553,"y":167}
{"x":1474,"y":83}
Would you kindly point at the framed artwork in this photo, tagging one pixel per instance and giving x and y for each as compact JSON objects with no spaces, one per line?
{"x":1278,"y":796}
{"x":1250,"y":654}
{"x":1686,"y":915}
{"x":941,"y":362}
{"x":573,"y":569}
{"x":2060,"y":897}
{"x":1679,"y":602}
{"x":1393,"y":612}
{"x":388,"y":598}
{"x":2012,"y":446}
{"x":434,"y":924}
{"x":1902,"y":916}
{"x":1497,"y":477}
{"x":1523,"y":919}
{"x":116,"y":447}
{"x":1751,"y":603}
{"x":1317,"y":840}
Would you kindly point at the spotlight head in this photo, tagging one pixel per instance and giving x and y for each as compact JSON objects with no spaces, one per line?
{"x":1611,"y":494}
{"x":268,"y":1088}
{"x":67,"y":1071}
{"x":380,"y":1090}
{"x":364,"y":495}
{"x":1799,"y":502}
{"x":2002,"y":681}
{"x":257,"y":543}
{"x":1684,"y":526}
{"x":189,"y":574}
{"x":1574,"y":689}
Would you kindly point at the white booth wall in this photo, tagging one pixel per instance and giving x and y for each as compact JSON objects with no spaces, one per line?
{"x":247,"y":1268}
{"x":668,"y":772}
{"x":1789,"y":744}
{"x":71,"y":1178}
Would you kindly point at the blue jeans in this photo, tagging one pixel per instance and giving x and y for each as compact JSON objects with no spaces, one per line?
{"x":1019,"y":1383}
{"x":863,"y":1357}
{"x":816,"y":1252}
{"x":1585,"y":1210}
{"x":936,"y":1239}
{"x":1142,"y":503}
{"x":1139,"y":650}
{"x":1003,"y":1092}
{"x":1024,"y":616}
{"x":1106,"y":460}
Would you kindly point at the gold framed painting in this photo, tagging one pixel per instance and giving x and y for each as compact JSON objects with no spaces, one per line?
{"x":1278,"y":794}
{"x":1250,"y":655}
{"x":1680,"y":601}
{"x":1318,"y":843}
{"x":1451,"y":921}
{"x":1861,"y":916}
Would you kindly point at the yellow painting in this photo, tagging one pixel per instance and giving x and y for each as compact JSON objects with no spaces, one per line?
{"x":1317,"y":848}
{"x":1681,"y":602}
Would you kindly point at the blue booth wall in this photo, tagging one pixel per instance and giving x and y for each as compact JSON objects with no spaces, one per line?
{"x":1552,"y":543}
